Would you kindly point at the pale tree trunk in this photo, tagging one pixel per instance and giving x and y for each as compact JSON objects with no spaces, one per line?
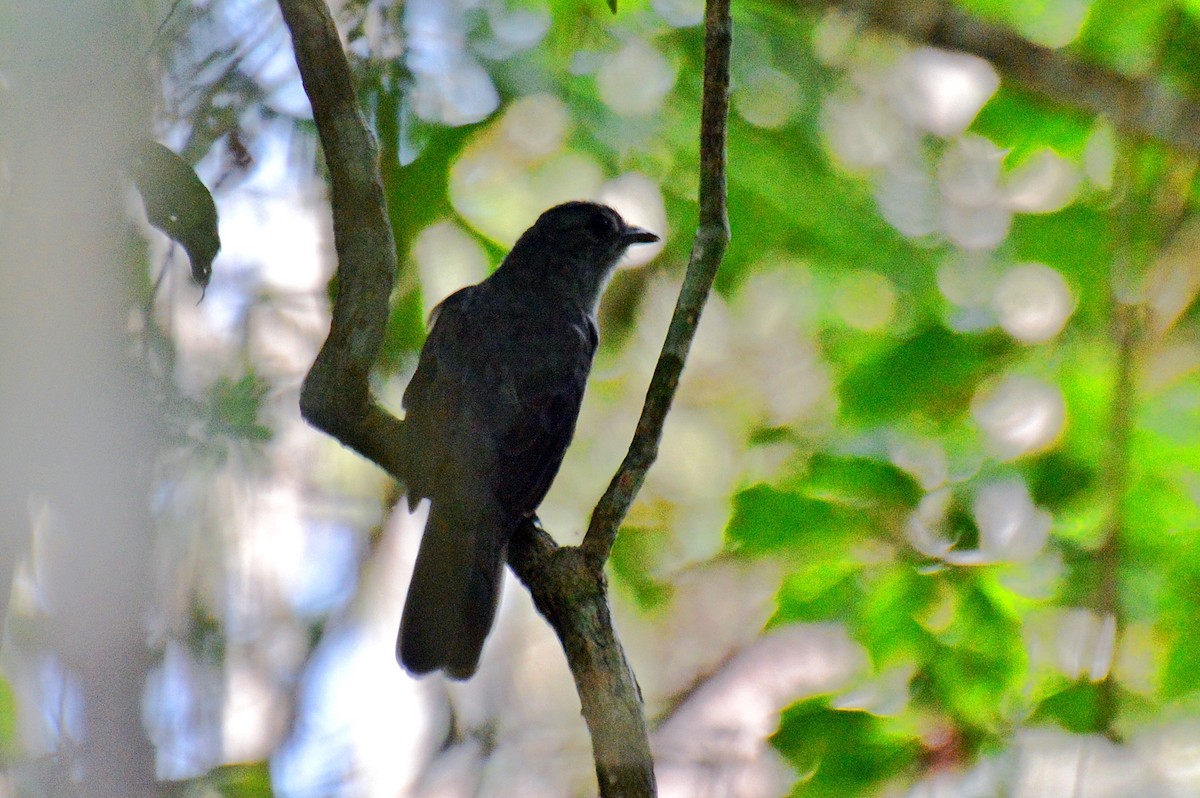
{"x":77,"y":428}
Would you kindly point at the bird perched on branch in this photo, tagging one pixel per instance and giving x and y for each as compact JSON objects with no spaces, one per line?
{"x":490,"y":412}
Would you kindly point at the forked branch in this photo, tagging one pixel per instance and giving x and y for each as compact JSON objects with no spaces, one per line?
{"x":567,"y":583}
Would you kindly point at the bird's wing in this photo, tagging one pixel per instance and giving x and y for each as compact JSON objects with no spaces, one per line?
{"x":437,"y":392}
{"x":543,"y":423}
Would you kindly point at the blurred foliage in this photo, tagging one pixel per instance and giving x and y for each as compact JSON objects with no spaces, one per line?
{"x":904,"y":505}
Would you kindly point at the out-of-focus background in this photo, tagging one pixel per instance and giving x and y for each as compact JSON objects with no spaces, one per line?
{"x":926,"y":519}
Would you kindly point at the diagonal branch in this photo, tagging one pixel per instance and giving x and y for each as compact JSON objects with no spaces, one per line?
{"x":712,"y":238}
{"x":335,"y":397}
{"x":1144,"y":106}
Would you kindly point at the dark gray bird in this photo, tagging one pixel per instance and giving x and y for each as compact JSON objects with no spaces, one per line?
{"x":490,"y":412}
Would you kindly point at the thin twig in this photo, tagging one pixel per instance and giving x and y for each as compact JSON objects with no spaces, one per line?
{"x":708,"y":250}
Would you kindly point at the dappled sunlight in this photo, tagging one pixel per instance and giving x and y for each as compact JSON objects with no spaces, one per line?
{"x":1033,"y":302}
{"x":1074,"y":642}
{"x":1052,"y":763}
{"x":447,"y":259}
{"x":767,"y":98}
{"x":861,"y":131}
{"x":358,"y":723}
{"x":1020,"y":415}
{"x":717,"y":740}
{"x":635,"y":80}
{"x":941,"y":91}
{"x":884,"y":693}
{"x":865,"y":300}
{"x":680,"y":13}
{"x":924,"y":458}
{"x":501,"y":182}
{"x":1011,"y":527}
{"x":906,"y":194}
{"x":699,"y":608}
{"x":1045,"y":183}
{"x":639,"y":200}
{"x":903,"y":115}
{"x":969,"y":172}
{"x":924,"y":526}
{"x":451,"y":86}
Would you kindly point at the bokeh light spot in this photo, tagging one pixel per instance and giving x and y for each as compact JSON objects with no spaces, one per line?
{"x":768,"y":98}
{"x":865,"y":300}
{"x":447,"y":259}
{"x":908,"y":199}
{"x":1033,"y":302}
{"x":862,"y":131}
{"x":1011,"y":527}
{"x":1021,"y":415}
{"x":634,"y":80}
{"x":680,"y":13}
{"x":639,"y":200}
{"x":535,"y":126}
{"x":942,"y":91}
{"x":1045,"y":183}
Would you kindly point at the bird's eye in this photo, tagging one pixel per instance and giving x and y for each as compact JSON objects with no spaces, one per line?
{"x":599,"y":225}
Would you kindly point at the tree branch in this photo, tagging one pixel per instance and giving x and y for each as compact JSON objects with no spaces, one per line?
{"x":336,"y":397}
{"x":1145,"y":107}
{"x":571,"y":593}
{"x":567,"y":583}
{"x":708,"y":250}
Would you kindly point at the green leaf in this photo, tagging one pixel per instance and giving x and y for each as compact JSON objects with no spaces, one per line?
{"x":1127,"y":35}
{"x":1077,"y":708}
{"x":825,"y":589}
{"x":841,"y":753}
{"x":935,"y":372}
{"x":235,"y":407}
{"x":1179,"y":620}
{"x":1084,"y":264}
{"x":1024,"y":123}
{"x":1056,"y":479}
{"x":633,"y":556}
{"x":886,"y":621}
{"x":859,"y":482}
{"x":9,"y":745}
{"x":767,"y":520}
{"x":243,"y":781}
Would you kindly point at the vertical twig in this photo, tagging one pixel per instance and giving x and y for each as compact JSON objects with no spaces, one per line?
{"x":708,"y":250}
{"x":1125,"y":330}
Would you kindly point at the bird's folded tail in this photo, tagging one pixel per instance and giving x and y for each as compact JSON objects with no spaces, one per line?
{"x":454,"y":591}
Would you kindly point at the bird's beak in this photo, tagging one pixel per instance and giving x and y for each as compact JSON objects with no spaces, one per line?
{"x":638,"y":235}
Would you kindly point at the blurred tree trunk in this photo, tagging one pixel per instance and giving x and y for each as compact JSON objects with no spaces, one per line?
{"x":77,"y":426}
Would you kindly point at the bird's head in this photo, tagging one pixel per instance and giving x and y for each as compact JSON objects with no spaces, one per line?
{"x":575,"y":245}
